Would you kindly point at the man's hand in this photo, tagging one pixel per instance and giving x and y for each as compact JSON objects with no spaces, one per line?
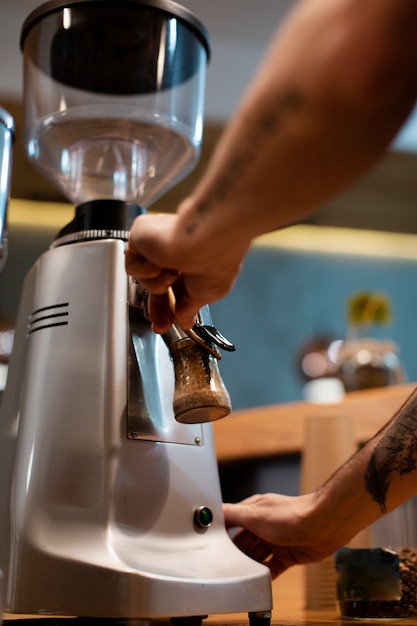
{"x":199,"y":268}
{"x":280,"y":531}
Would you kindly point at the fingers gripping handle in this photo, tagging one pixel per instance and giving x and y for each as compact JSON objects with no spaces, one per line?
{"x":200,"y":394}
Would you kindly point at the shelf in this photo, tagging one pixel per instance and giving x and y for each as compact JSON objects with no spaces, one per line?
{"x":279,"y":429}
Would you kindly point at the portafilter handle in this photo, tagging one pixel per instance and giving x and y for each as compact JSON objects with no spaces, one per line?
{"x":203,"y":332}
{"x":200,"y":394}
{"x":6,"y":149}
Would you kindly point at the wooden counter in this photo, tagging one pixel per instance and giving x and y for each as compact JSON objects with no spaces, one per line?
{"x":279,"y":429}
{"x":288,"y":598}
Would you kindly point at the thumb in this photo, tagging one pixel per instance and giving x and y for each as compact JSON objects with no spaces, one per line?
{"x":186,"y":308}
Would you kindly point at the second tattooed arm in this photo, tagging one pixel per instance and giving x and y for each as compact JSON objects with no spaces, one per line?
{"x":334,"y":88}
{"x":283,"y":531}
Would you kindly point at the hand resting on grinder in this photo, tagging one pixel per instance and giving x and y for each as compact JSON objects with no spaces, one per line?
{"x":281,"y":531}
{"x":276,"y":531}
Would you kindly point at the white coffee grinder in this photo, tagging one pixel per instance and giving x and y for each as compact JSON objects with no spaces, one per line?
{"x":110,"y":503}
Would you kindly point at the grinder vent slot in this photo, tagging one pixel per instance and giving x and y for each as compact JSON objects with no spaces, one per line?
{"x":48,"y":317}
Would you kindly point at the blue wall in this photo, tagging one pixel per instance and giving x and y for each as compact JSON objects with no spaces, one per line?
{"x":284,"y":297}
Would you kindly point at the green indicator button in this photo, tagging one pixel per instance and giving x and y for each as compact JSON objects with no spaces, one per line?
{"x":203,"y":517}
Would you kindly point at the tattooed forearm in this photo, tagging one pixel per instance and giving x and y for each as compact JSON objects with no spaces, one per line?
{"x":396,"y":452}
{"x":269,"y":123}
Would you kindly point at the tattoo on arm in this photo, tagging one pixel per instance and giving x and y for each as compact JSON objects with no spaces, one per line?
{"x":396,"y":452}
{"x":270,"y":122}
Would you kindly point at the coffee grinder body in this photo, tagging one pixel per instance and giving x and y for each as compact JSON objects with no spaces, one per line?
{"x":104,"y":520}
